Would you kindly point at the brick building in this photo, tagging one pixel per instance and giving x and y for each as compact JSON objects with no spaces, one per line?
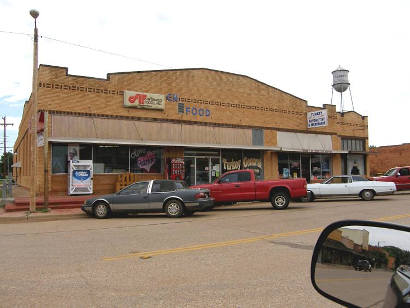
{"x":197,"y":123}
{"x":383,"y":158}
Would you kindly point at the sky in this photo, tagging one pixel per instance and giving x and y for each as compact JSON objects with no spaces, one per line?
{"x":291,"y":45}
{"x":386,"y":237}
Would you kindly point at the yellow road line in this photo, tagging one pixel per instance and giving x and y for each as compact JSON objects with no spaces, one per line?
{"x":347,"y":279}
{"x":211,"y":245}
{"x":233,"y":242}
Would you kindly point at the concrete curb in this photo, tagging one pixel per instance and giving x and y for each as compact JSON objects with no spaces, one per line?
{"x":38,"y":217}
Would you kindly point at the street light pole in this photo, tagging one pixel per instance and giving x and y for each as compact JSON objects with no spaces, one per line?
{"x":33,"y":191}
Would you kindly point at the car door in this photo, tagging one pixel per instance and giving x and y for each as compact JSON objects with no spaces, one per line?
{"x":245,"y":186}
{"x":403,"y":178}
{"x":336,"y":185}
{"x":227,"y":188}
{"x":160,"y":190}
{"x":357,"y":184}
{"x":133,"y":197}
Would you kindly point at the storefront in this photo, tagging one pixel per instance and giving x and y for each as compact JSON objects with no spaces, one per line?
{"x":191,"y":125}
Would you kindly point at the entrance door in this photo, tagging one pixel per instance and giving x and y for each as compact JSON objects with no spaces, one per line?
{"x":189,"y":170}
{"x":201,"y":170}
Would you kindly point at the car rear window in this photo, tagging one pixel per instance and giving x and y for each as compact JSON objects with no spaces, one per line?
{"x":163,"y":186}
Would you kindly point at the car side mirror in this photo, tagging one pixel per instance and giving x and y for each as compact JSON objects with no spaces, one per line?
{"x":363,"y":264}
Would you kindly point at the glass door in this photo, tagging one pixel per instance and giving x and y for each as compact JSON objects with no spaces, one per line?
{"x":189,"y":170}
{"x":202,"y":170}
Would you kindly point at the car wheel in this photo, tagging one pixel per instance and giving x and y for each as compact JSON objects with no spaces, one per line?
{"x":101,"y":210}
{"x":310,"y":196}
{"x":280,"y":200}
{"x":367,"y":195}
{"x":174,"y":208}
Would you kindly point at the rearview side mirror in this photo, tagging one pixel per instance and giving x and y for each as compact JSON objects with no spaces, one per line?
{"x":363,"y":264}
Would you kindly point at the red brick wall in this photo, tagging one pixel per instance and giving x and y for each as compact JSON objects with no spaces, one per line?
{"x":383,"y":158}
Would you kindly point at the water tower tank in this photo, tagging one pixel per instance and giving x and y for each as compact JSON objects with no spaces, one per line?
{"x":340,"y":79}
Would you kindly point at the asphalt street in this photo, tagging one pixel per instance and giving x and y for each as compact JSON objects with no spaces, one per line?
{"x":246,"y":255}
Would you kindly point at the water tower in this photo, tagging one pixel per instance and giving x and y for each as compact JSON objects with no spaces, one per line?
{"x":341,"y":84}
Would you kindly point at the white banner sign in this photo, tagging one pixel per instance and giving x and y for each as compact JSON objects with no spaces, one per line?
{"x":144,"y":100}
{"x":40,"y":139}
{"x":317,"y":118}
{"x":80,"y":177}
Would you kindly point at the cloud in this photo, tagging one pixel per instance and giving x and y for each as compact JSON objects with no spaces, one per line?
{"x":13,"y":120}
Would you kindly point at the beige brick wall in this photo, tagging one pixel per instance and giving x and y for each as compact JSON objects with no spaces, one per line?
{"x":233,"y":100}
{"x":240,"y":100}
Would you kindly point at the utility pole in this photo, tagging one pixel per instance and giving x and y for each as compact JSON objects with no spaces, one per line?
{"x":34,"y":119}
{"x":5,"y":145}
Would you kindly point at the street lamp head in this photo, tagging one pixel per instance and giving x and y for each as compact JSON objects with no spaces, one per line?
{"x":34,"y":13}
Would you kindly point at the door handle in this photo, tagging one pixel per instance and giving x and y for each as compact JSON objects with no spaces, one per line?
{"x":237,"y":185}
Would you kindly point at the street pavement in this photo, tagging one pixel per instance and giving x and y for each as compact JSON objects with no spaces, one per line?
{"x":247,"y":255}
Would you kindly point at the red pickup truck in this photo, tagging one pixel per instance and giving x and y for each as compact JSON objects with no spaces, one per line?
{"x":399,"y":175}
{"x":240,"y":185}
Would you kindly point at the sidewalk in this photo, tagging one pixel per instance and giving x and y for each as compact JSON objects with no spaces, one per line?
{"x":52,"y":214}
{"x":22,"y":193}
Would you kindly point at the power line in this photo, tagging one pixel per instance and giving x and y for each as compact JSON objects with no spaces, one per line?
{"x":88,"y":47}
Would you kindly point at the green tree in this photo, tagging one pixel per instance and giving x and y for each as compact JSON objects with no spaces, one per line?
{"x":6,"y":161}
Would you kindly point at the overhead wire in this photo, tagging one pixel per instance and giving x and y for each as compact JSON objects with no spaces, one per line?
{"x":88,"y":47}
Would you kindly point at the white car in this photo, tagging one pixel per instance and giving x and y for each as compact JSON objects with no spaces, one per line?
{"x":349,"y":185}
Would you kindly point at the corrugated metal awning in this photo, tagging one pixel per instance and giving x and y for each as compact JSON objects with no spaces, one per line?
{"x":160,"y":143}
{"x":306,"y":143}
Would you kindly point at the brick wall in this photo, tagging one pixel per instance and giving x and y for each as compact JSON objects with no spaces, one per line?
{"x":232,"y":100}
{"x":383,"y":158}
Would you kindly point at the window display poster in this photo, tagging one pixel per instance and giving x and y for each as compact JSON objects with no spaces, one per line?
{"x":177,"y":169}
{"x":73,"y":151}
{"x":145,"y":160}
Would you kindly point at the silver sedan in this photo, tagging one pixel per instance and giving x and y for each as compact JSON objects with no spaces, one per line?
{"x":168,"y":196}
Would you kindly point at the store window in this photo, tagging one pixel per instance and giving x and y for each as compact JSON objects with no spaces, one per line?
{"x":326,"y":166}
{"x":145,"y":160}
{"x":294,"y":162}
{"x":314,"y":167}
{"x":355,"y":164}
{"x":231,"y":160}
{"x":283,"y":165}
{"x":86,"y":151}
{"x":253,"y":160}
{"x":59,"y":156}
{"x":355,"y":145}
{"x":111,"y":159}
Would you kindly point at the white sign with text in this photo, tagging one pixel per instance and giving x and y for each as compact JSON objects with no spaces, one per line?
{"x":317,"y":118}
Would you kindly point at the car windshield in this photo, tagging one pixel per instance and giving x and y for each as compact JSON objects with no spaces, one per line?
{"x":390,"y":172}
